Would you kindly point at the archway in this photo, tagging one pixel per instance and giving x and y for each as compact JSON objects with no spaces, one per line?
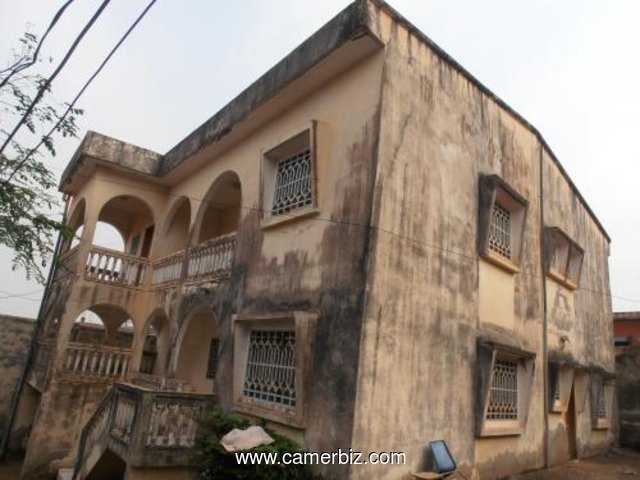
{"x":157,"y":344}
{"x":219,"y":213}
{"x":176,"y":228}
{"x":197,"y":350}
{"x":100,"y":342}
{"x":133,"y":220}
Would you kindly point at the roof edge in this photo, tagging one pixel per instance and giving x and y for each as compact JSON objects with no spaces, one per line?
{"x":343,"y":27}
{"x":485,"y":90}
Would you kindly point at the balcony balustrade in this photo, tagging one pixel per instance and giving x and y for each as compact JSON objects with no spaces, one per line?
{"x":146,"y":428}
{"x":212,"y":260}
{"x":108,"y":266}
{"x":97,"y":362}
{"x":167,"y":269}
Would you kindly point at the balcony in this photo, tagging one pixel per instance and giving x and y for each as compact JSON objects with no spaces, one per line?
{"x":210,"y":261}
{"x":117,"y":268}
{"x":145,"y":428}
{"x":96,"y":362}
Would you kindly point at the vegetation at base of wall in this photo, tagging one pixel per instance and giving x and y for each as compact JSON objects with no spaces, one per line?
{"x":212,"y":462}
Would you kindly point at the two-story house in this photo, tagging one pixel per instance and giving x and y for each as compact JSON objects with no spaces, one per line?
{"x":366,"y":249}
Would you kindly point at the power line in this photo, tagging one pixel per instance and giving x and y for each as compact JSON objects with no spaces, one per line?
{"x":81,"y":92}
{"x":19,"y":68}
{"x":47,"y":83}
{"x":467,"y":256}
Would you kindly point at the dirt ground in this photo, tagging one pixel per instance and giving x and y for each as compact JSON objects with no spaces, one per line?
{"x":618,"y":465}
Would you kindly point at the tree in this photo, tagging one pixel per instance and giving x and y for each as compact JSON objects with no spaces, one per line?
{"x":29,"y":221}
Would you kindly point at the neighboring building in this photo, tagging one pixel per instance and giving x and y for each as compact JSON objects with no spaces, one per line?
{"x":626,"y":330}
{"x":15,"y":339}
{"x":366,"y":248}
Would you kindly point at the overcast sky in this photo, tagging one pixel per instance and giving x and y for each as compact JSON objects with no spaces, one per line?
{"x":571,"y":68}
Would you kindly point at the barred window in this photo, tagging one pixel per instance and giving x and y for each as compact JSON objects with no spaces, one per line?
{"x":212,"y":362}
{"x":503,"y":392}
{"x":500,"y":231}
{"x":270,"y":373}
{"x":294,"y":183}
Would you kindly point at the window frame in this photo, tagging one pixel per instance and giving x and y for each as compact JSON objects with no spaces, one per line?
{"x":269,"y":160}
{"x":569,"y":276}
{"x":303,"y":324}
{"x":601,"y":387}
{"x":488,"y":353}
{"x":493,"y":190}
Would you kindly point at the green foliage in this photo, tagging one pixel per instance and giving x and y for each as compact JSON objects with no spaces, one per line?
{"x":213,"y":462}
{"x":28,"y":219}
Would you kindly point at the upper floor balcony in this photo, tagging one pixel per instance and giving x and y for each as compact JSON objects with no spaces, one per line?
{"x":119,"y":244}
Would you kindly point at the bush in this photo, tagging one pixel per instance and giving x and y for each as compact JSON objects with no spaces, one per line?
{"x":213,"y":462}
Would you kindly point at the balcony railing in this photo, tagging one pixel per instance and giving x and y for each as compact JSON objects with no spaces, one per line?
{"x":145,"y":428}
{"x":167,"y":269}
{"x":109,"y":266}
{"x":212,"y":260}
{"x":97,"y":361}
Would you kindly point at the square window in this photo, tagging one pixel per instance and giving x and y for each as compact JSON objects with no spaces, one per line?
{"x":563,"y":257}
{"x":505,"y":378}
{"x":500,"y":230}
{"x":503,"y":392}
{"x":288,"y":178}
{"x":601,"y":392}
{"x":272,"y":361}
{"x":501,"y":222}
{"x":293,"y":187}
{"x":270,"y":373}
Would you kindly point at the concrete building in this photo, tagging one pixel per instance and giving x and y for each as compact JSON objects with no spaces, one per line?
{"x":403,"y":247}
{"x":626,"y":329}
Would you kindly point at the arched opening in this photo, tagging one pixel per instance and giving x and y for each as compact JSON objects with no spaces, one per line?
{"x":132,"y":219}
{"x":100,"y":342}
{"x":109,"y":467}
{"x":220,"y":211}
{"x":176,"y":228}
{"x":157,"y":344}
{"x":197,"y":350}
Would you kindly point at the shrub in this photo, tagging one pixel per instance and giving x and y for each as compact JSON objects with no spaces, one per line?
{"x":213,"y":462}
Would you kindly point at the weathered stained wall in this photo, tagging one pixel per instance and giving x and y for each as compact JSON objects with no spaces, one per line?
{"x":430,"y":297}
{"x":15,"y":338}
{"x":582,"y":317}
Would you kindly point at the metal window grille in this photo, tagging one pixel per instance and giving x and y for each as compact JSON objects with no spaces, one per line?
{"x":271,"y":373}
{"x":503,"y":392}
{"x":294,"y":183}
{"x":602,"y":409}
{"x":500,"y":231}
{"x":212,"y":362}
